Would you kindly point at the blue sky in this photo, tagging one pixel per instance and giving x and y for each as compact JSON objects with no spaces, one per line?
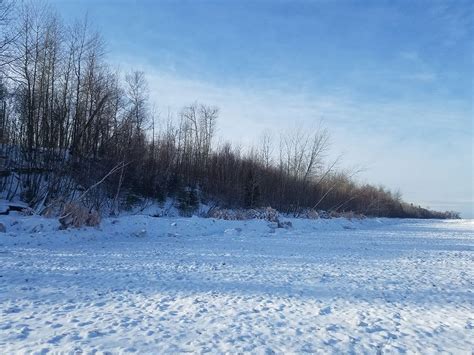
{"x":391,"y":80}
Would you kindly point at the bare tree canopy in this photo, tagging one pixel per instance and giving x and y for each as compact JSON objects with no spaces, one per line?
{"x":69,"y":124}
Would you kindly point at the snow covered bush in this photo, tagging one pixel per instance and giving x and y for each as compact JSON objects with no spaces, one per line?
{"x":285,"y":224}
{"x":267,"y":213}
{"x":348,"y":215}
{"x":308,"y":214}
{"x":324,"y":215}
{"x":222,"y":213}
{"x":74,"y":215}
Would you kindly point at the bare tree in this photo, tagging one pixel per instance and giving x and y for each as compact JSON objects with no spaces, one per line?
{"x":266,"y":149}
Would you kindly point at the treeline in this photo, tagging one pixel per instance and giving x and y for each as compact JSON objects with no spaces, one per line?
{"x":71,"y":125}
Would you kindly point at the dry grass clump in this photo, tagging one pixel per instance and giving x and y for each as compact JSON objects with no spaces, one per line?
{"x":74,"y":215}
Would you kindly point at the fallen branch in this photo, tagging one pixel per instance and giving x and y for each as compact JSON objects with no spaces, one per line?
{"x":116,"y":168}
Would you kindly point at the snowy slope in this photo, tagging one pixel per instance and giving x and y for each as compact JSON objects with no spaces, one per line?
{"x":167,"y":285}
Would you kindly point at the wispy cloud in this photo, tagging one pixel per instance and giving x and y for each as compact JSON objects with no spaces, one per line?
{"x":410,"y":55}
{"x":426,"y":77}
{"x":455,"y":20}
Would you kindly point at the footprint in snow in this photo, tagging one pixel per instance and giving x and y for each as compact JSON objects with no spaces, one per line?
{"x":56,"y":339}
{"x":25,"y":332}
{"x":373,"y":329}
{"x":331,"y":342}
{"x":325,"y":311}
{"x":332,"y":328}
{"x":12,"y":310}
{"x":390,"y":335}
{"x":94,"y":334}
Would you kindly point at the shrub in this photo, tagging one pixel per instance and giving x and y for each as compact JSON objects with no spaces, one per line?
{"x":188,"y":201}
{"x":131,"y":200}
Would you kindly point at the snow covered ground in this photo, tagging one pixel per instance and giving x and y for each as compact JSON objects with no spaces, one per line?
{"x":168,"y":285}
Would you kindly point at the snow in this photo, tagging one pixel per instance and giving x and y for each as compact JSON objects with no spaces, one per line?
{"x":168,"y":285}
